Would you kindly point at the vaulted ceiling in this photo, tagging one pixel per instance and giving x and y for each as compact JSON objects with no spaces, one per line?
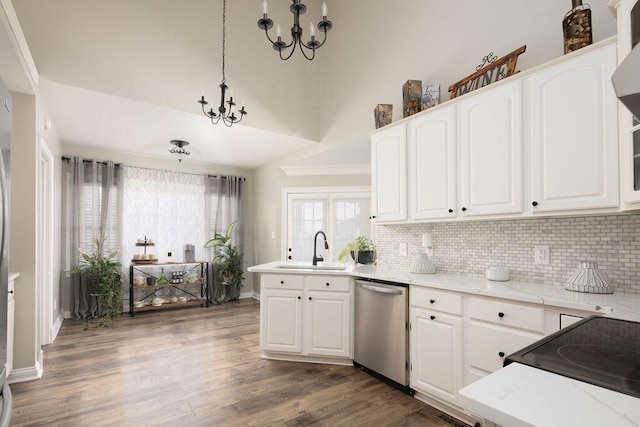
{"x":126,"y":75}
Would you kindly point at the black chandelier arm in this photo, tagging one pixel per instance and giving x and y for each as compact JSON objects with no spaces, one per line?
{"x":290,"y":53}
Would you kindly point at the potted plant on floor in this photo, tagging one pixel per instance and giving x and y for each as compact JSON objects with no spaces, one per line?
{"x":102,"y":271}
{"x":228,"y":265}
{"x":362,"y":250}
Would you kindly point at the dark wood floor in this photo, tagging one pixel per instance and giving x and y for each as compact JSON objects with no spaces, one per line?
{"x":199,"y":367}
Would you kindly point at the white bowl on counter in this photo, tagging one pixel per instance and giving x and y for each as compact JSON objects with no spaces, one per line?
{"x":497,"y":274}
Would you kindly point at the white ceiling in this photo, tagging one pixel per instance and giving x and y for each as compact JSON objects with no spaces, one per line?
{"x":125,"y":75}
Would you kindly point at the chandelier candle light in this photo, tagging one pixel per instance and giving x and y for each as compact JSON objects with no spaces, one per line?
{"x":228,"y":116}
{"x":297,"y":8}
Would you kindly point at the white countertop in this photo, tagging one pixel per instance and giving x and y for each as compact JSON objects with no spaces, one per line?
{"x":519,"y":395}
{"x":619,"y":305}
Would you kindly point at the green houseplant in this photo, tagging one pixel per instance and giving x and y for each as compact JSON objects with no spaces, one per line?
{"x":362,"y":250}
{"x":102,"y":271}
{"x":228,"y":262}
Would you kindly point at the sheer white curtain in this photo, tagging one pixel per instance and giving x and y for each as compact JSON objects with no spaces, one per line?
{"x":92,"y":206}
{"x":223,"y":205}
{"x":167,"y":207}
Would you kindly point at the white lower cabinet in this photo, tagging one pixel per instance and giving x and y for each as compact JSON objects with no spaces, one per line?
{"x":436,"y":349}
{"x":306,"y":315}
{"x":435,"y":340}
{"x":496,"y":328}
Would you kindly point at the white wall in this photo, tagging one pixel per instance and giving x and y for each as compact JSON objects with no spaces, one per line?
{"x":23,"y":239}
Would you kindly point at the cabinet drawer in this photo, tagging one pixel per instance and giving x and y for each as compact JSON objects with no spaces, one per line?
{"x":507,"y":314}
{"x":281,"y":281}
{"x":328,"y":283}
{"x":488,"y":345}
{"x":446,"y":302}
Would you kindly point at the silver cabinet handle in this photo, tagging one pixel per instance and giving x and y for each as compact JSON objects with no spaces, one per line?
{"x":380,"y":289}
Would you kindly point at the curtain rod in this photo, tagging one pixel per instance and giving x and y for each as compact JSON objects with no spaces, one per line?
{"x":65,"y":158}
{"x":242,"y":178}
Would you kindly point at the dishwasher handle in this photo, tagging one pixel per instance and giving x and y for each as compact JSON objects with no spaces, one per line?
{"x":380,"y":289}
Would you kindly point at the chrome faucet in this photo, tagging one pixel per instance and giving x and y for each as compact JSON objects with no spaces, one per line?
{"x":317,"y":258}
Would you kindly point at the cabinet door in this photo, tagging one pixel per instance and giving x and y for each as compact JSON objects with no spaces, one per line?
{"x":436,"y":349}
{"x":432,"y":165}
{"x":389,"y":174}
{"x":488,"y":345}
{"x":328,"y":324}
{"x":574,"y":142}
{"x":490,"y":136}
{"x":281,"y":320}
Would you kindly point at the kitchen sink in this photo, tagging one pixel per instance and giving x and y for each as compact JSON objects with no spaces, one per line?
{"x":311,"y":267}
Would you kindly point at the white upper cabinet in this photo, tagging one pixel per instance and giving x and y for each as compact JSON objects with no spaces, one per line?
{"x":490,"y":151}
{"x":573,"y":134}
{"x":432,"y":165}
{"x":389,"y":174}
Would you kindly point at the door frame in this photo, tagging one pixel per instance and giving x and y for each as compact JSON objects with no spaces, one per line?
{"x":329,"y":191}
{"x":44,"y":262}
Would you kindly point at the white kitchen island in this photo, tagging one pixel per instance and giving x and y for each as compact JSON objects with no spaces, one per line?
{"x":521,"y":396}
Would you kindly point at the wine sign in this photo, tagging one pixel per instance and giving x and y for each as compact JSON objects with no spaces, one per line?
{"x":496,"y":70}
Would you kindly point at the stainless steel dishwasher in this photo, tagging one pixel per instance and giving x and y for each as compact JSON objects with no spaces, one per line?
{"x":381,"y":331}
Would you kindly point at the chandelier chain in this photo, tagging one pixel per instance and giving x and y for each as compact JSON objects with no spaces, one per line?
{"x":224,"y":36}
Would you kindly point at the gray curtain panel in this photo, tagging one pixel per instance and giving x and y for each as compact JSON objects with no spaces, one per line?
{"x":223,"y":205}
{"x":92,"y":206}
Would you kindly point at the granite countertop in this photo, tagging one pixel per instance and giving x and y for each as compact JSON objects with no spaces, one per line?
{"x":619,"y":305}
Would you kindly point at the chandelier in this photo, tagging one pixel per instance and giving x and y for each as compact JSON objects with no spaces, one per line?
{"x":179,"y":148}
{"x":297,"y":8}
{"x":228,"y":115}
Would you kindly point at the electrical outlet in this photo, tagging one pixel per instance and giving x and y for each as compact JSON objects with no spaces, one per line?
{"x":541,"y":255}
{"x":402,"y":249}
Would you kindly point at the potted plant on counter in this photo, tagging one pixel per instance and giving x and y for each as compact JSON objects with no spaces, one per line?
{"x":228,"y":265}
{"x":102,"y":271}
{"x":362,"y":250}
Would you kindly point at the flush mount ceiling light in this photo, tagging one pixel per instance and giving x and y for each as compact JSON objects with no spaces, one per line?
{"x":228,"y":116}
{"x":179,"y":148}
{"x":297,"y":8}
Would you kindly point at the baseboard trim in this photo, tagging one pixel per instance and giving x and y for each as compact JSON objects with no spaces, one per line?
{"x":329,"y":360}
{"x":21,"y":375}
{"x":56,"y":327}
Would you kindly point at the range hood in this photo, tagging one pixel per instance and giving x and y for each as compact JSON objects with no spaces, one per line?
{"x":626,"y":81}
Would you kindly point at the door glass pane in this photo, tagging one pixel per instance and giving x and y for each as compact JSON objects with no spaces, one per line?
{"x":306,"y":217}
{"x":351,"y":219}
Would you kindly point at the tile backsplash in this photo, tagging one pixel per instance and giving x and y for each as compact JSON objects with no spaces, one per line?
{"x":469,"y":248}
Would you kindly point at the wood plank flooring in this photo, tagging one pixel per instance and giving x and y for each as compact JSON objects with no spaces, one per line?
{"x":199,"y":367}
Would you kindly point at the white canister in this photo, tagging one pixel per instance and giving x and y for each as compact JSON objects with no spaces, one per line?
{"x":497,"y":274}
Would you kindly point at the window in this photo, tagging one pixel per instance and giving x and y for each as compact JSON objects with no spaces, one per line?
{"x":342,"y":214}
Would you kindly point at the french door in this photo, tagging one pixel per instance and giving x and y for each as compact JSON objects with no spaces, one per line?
{"x":342,"y":216}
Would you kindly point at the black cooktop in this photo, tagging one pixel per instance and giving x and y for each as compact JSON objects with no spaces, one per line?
{"x":597,"y":350}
